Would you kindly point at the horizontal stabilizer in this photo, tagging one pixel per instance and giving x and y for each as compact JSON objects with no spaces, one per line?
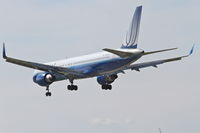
{"x":119,"y":53}
{"x":152,"y":52}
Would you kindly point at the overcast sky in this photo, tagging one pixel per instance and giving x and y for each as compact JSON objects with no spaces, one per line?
{"x":140,"y":102}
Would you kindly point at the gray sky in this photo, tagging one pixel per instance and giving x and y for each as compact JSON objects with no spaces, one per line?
{"x":47,"y":30}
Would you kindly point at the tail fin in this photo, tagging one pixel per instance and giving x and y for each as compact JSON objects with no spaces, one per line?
{"x":133,"y":33}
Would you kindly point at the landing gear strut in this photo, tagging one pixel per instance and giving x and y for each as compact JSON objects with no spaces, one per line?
{"x":72,"y":87}
{"x":48,"y":93}
{"x":106,"y":87}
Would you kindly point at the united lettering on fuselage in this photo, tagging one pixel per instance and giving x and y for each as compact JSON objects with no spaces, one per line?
{"x":105,"y":65}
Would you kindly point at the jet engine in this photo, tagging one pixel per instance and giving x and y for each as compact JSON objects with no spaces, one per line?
{"x":44,"y":79}
{"x":105,"y":80}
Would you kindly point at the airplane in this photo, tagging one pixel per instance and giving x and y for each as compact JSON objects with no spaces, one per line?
{"x":104,"y":65}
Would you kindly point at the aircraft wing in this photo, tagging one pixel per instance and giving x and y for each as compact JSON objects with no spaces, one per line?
{"x":40,"y":66}
{"x":138,"y":66}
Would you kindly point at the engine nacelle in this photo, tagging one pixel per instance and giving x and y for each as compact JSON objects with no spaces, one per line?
{"x":104,"y":80}
{"x":43,"y":79}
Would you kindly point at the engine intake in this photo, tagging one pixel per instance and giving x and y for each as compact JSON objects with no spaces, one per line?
{"x":49,"y":78}
{"x":44,"y":79}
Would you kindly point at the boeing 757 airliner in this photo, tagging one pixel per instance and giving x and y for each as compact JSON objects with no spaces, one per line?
{"x":105,"y":65}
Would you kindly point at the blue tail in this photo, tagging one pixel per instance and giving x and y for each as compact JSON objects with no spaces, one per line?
{"x":133,"y":33}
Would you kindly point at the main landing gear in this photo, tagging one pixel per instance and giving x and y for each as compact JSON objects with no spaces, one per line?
{"x":72,"y":87}
{"x":69,"y":87}
{"x":106,"y":87}
{"x":48,"y":93}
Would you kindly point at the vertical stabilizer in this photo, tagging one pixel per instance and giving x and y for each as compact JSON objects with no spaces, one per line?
{"x":133,"y":33}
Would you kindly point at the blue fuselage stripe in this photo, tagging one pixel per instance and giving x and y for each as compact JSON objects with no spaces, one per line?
{"x":104,"y":66}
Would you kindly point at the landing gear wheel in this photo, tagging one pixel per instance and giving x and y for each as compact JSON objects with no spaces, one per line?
{"x":72,"y":87}
{"x":109,"y":87}
{"x":69,"y":87}
{"x":106,"y":87}
{"x":75,"y":87}
{"x":103,"y":87}
{"x":48,"y":94}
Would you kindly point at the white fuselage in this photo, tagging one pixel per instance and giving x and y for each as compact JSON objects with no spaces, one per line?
{"x":96,"y":64}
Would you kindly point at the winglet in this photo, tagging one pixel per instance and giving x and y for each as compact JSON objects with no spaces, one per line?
{"x":191,"y":51}
{"x":4,"y":52}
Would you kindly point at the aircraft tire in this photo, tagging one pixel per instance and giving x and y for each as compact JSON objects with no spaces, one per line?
{"x":48,"y":94}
